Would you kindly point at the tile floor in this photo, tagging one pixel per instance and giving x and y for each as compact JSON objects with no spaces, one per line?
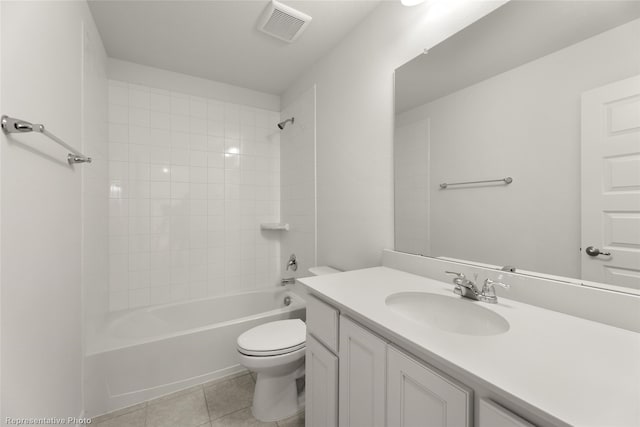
{"x":225,"y":403}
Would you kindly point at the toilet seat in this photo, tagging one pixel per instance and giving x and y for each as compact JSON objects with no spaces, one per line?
{"x":270,"y":352}
{"x":273,"y":338}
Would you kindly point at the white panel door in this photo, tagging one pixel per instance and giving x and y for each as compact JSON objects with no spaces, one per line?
{"x":321,"y":387}
{"x":362,"y":376}
{"x":418,"y":396}
{"x":611,"y":185}
{"x":494,"y":415}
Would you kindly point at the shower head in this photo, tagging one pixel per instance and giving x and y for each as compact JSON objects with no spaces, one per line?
{"x":281,"y":125}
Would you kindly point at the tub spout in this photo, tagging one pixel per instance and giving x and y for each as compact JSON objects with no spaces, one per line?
{"x":288,"y":281}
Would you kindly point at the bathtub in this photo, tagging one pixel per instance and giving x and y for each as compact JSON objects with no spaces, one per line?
{"x":146,"y":353}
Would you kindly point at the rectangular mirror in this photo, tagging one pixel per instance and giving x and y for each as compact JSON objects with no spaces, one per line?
{"x":517,"y":143}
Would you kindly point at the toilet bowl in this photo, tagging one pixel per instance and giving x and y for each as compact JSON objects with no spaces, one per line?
{"x":275,"y":351}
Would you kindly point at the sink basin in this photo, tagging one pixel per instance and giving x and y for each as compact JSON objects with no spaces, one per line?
{"x":451,"y":314}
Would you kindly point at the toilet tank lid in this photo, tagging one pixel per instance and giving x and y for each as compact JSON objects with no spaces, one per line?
{"x":323,"y":269}
{"x":277,"y":335}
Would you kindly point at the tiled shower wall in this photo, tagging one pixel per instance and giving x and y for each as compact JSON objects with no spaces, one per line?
{"x":190,"y":181}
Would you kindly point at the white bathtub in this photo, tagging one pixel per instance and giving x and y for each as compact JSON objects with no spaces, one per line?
{"x":146,"y":353}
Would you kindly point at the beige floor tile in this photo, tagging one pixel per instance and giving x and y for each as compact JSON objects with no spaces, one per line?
{"x":185,"y":410}
{"x":295,"y":421}
{"x":229,"y":396}
{"x":242,"y":418}
{"x":131,"y":419}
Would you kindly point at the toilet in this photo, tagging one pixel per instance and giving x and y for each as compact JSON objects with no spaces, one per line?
{"x":275,"y":351}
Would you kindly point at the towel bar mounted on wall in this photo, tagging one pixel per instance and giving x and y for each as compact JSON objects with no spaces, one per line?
{"x":507,"y":180}
{"x":12,"y":125}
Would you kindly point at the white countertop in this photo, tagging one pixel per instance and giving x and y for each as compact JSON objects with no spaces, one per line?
{"x":577,"y":371}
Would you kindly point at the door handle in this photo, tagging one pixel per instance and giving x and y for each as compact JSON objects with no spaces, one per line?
{"x":593,"y":251}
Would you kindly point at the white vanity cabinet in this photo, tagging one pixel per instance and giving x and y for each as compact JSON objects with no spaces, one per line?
{"x":365,"y":381}
{"x":363,"y":358}
{"x":420,"y":396}
{"x":321,"y":385}
{"x":321,"y":365}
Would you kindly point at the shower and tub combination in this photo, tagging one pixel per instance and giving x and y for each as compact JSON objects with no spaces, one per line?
{"x":145,"y":353}
{"x":139,"y":354}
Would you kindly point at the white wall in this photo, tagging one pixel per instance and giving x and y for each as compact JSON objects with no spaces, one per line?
{"x":95,"y":217}
{"x":189,"y":85}
{"x":355,"y":123}
{"x":42,"y":48}
{"x":191,"y":178}
{"x":523,"y":123}
{"x":298,"y":184}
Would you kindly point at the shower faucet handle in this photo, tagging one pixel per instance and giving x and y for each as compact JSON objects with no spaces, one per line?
{"x":293,"y":263}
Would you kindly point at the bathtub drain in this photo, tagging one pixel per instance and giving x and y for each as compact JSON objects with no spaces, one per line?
{"x":287,"y":300}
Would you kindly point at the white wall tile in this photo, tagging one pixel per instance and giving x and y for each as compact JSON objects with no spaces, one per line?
{"x":139,"y":97}
{"x":159,"y":120}
{"x":188,"y":181}
{"x":118,"y":300}
{"x":118,"y":133}
{"x":159,"y":102}
{"x":138,"y":170}
{"x":159,"y":155}
{"x":138,"y":134}
{"x":179,"y":104}
{"x":160,"y":137}
{"x":159,"y":190}
{"x":159,"y":295}
{"x":118,"y":94}
{"x":138,"y":297}
{"x":198,"y":107}
{"x":138,"y":116}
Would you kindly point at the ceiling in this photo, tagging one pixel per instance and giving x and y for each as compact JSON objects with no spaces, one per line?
{"x":218,"y":40}
{"x":512,"y":35}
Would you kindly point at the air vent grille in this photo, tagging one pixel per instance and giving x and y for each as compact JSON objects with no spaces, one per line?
{"x":283,"y":22}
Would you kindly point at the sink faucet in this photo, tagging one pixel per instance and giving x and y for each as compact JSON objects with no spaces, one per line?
{"x":464,"y":287}
{"x":467,"y":288}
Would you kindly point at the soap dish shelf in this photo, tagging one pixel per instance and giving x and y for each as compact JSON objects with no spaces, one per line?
{"x":274,"y":226}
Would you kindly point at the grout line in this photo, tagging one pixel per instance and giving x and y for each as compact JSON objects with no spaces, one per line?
{"x":231,"y":413}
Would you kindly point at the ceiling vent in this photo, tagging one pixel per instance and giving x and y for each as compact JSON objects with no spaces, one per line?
{"x":283,"y":22}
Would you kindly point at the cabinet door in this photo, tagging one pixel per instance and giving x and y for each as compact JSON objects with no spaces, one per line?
{"x":362,"y":376}
{"x":494,"y":415}
{"x":321,"y":389}
{"x":419,"y":396}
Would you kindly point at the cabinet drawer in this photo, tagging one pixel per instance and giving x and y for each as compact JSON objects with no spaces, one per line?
{"x":322,"y":322}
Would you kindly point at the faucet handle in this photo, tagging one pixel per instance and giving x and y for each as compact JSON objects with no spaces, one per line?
{"x":458,"y":281}
{"x":488,"y":293}
{"x":453,"y":273}
{"x":489,"y":283}
{"x":293,"y":263}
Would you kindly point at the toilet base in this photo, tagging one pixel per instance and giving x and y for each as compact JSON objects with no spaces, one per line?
{"x":276,"y":396}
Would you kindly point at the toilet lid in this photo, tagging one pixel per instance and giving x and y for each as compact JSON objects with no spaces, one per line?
{"x":271,"y":338}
